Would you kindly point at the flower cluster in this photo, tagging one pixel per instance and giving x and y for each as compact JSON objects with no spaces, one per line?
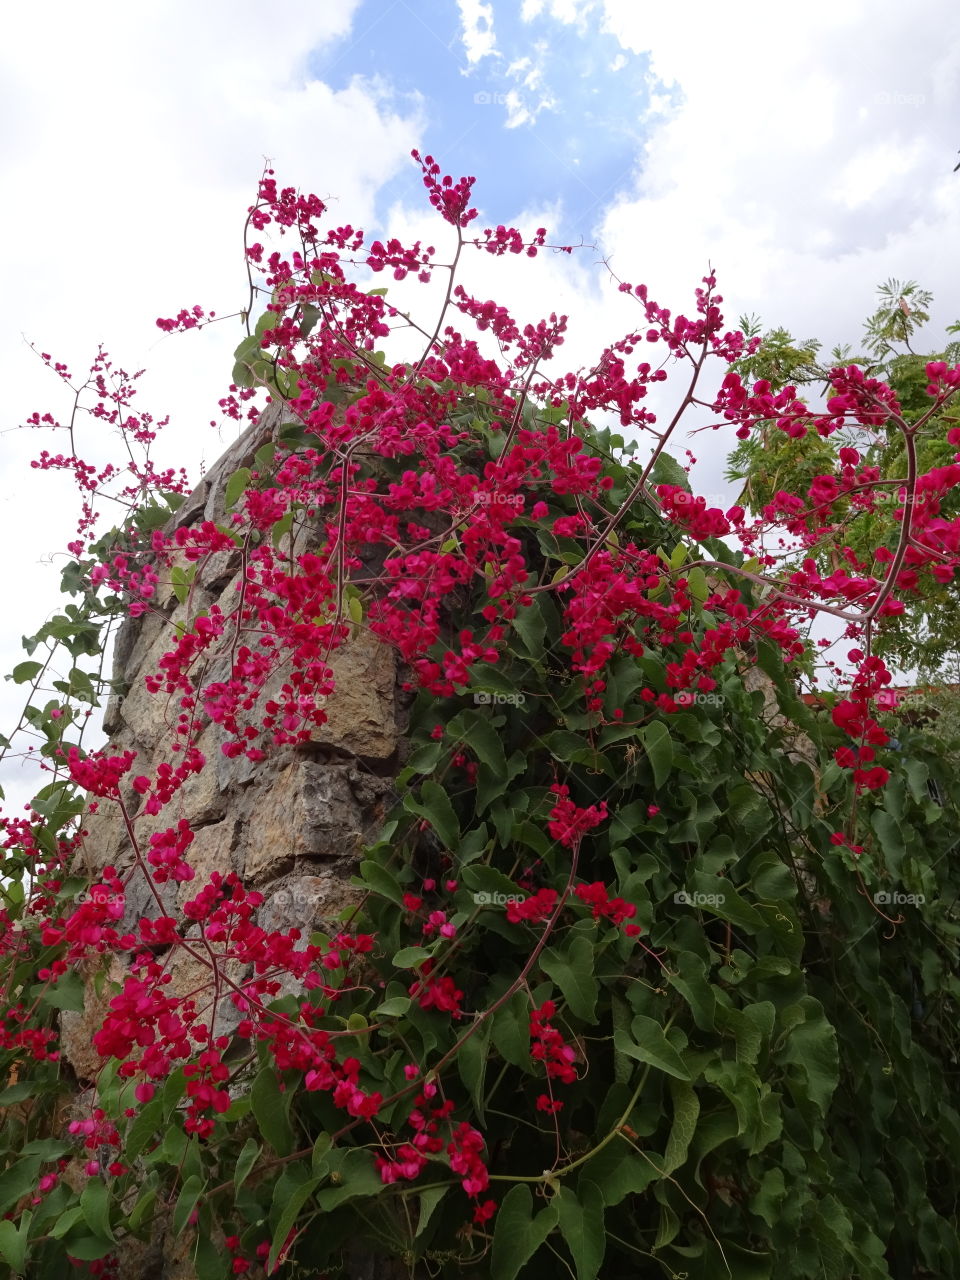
{"x":568,"y":823}
{"x":549,"y":1047}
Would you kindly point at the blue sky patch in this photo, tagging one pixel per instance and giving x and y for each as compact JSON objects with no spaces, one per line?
{"x":552,"y":113}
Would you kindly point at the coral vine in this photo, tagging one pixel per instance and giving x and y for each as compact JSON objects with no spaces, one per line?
{"x":447,"y":506}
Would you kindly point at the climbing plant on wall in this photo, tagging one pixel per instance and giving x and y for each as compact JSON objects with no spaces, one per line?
{"x":653,"y":967}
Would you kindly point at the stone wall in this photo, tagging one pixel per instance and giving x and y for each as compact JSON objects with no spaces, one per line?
{"x":291,"y":825}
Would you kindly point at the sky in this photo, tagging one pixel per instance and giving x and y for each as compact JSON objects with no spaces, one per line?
{"x":806,"y":154}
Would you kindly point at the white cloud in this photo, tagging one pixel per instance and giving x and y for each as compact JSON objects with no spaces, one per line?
{"x":518,"y":67}
{"x":808,"y":160}
{"x":132,"y":149}
{"x":479,"y":39}
{"x":565,"y":11}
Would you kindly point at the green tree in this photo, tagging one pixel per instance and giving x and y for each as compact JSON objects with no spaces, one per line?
{"x":924,"y":639}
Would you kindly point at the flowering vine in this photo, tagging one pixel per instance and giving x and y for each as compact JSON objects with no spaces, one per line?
{"x":492,"y":979}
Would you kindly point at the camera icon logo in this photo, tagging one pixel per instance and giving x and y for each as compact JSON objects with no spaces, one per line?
{"x":684,"y":899}
{"x":898,"y":899}
{"x":482,"y":899}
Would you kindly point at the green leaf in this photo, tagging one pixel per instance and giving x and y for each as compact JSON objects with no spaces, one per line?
{"x":510,"y":1032}
{"x":309,"y":317}
{"x":265,"y":457}
{"x":95,"y":1204}
{"x":647,"y":1043}
{"x":318,"y":1159}
{"x":572,"y":971}
{"x":669,"y":1226}
{"x":686,"y":1112}
{"x":66,"y":1222}
{"x":66,"y":993}
{"x":659,"y":748}
{"x":423,"y":760}
{"x":143,"y":1128}
{"x":210,"y":1263}
{"x":358,"y":1177}
{"x":246,"y":356}
{"x":769,"y":1197}
{"x":186,"y":1202}
{"x":377,"y":878}
{"x":281,"y":528}
{"x":270,"y":1108}
{"x":531,"y":626}
{"x":245,"y":1161}
{"x":17,"y":1092}
{"x":173,"y":1149}
{"x":697,"y":584}
{"x":516,"y":1238}
{"x":472,"y":1064}
{"x":428,"y":1202}
{"x":581,"y":1225}
{"x":173,"y":1090}
{"x":25,"y":671}
{"x":46,"y":1148}
{"x":890,"y":838}
{"x":395,"y":1007}
{"x":237,"y":485}
{"x":294,"y":1203}
{"x":811,"y":1048}
{"x":434,"y":805}
{"x":479,"y":736}
{"x":89,"y":1248}
{"x":692,"y":983}
{"x":667,"y":470}
{"x":620,"y":1172}
{"x":410,"y":958}
{"x":18,"y":1180}
{"x":917,"y":774}
{"x":145,"y":1203}
{"x":13,"y":1245}
{"x":180,"y":583}
{"x":723,"y":900}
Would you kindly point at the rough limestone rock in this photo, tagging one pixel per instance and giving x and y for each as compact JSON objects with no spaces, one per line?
{"x":291,"y":825}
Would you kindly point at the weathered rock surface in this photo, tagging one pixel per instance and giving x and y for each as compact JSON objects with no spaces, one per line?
{"x":291,"y":825}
